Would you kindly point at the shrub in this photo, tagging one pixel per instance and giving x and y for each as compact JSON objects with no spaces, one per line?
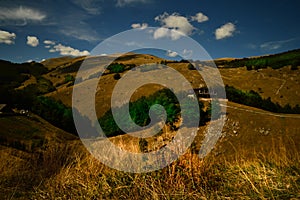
{"x":69,"y":78}
{"x":191,"y":67}
{"x":117,"y":76}
{"x":116,"y":68}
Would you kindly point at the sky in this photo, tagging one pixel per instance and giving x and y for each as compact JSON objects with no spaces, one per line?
{"x":37,"y":30}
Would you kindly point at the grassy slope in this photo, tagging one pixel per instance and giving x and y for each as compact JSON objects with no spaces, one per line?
{"x":282,"y":85}
{"x":29,"y":153}
{"x":31,"y":131}
{"x":246,"y":164}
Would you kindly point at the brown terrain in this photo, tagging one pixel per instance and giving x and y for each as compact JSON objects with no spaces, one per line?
{"x":256,"y":157}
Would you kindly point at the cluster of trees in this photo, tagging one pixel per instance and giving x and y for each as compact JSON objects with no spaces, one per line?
{"x":276,"y":61}
{"x":139,"y":112}
{"x":12,"y":75}
{"x":165,"y":62}
{"x":116,"y":68}
{"x":252,"y":98}
{"x":53,"y":111}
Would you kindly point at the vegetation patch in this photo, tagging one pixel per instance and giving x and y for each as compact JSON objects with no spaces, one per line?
{"x":276,"y":61}
{"x":252,"y":98}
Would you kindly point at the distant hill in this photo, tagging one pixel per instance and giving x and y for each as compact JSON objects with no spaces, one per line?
{"x":275,"y":61}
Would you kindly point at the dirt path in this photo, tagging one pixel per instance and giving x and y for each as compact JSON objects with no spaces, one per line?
{"x":262,"y":112}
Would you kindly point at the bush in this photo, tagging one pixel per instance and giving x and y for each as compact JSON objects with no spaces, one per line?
{"x":191,"y":67}
{"x":69,"y":78}
{"x":117,"y":76}
{"x":116,"y":68}
{"x":294,"y":67}
{"x":249,"y":67}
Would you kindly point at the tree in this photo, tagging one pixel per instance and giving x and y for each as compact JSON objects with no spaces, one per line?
{"x":117,"y":76}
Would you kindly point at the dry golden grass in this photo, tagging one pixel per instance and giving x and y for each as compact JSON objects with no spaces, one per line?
{"x":68,"y":171}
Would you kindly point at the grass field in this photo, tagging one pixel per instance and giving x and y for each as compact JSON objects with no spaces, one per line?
{"x":67,"y":171}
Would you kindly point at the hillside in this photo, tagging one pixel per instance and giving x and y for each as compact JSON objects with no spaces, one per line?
{"x":256,"y":157}
{"x":27,"y":132}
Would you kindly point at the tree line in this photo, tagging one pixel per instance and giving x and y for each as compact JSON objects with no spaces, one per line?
{"x":253,"y":99}
{"x":289,"y":58}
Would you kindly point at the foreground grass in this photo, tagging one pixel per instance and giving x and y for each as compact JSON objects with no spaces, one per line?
{"x":67,"y":171}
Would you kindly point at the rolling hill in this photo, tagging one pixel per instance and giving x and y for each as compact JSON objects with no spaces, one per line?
{"x":256,"y":157}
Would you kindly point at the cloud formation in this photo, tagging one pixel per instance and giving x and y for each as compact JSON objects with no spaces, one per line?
{"x":7,"y":37}
{"x":49,"y":42}
{"x":81,"y":32}
{"x":122,"y":3}
{"x":139,"y":26}
{"x":175,"y":22}
{"x":68,"y":51}
{"x":274,"y":45}
{"x":187,"y":53}
{"x":21,"y":15}
{"x":172,"y":53}
{"x":90,"y":6}
{"x":32,"y":41}
{"x":227,"y":30}
{"x":200,"y":17}
{"x":167,"y":33}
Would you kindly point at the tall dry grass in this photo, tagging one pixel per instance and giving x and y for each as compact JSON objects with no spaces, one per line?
{"x":70,"y":172}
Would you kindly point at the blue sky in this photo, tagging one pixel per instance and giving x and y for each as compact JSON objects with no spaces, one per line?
{"x":36,"y":30}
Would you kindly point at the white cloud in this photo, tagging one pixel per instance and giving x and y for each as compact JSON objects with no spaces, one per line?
{"x":133,"y":43}
{"x":160,"y":33}
{"x":200,"y":17}
{"x":49,"y":42}
{"x":122,"y":3}
{"x":47,"y":46}
{"x":32,"y":41}
{"x":21,"y":14}
{"x":168,"y":33}
{"x":139,"y":26}
{"x":187,"y":53}
{"x":273,"y":45}
{"x":177,"y":22}
{"x":7,"y":37}
{"x":68,"y":51}
{"x":225,"y":31}
{"x":90,"y":6}
{"x":251,"y":46}
{"x":172,"y":53}
{"x":84,"y":32}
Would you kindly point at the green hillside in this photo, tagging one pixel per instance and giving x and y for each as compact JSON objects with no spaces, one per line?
{"x":276,"y":61}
